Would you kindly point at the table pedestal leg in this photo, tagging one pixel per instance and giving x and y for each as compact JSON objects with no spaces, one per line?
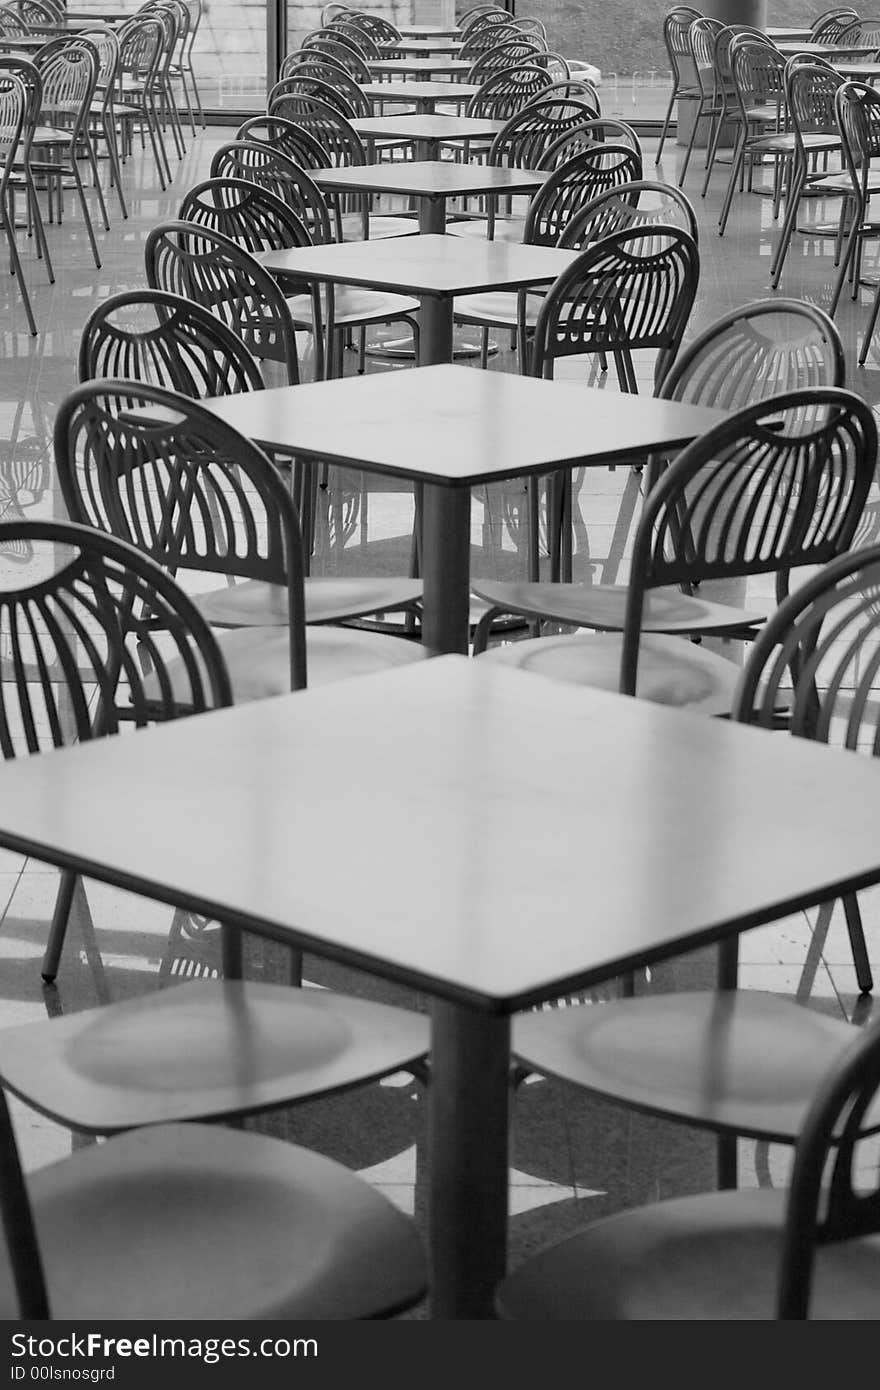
{"x":446,"y":541}
{"x":469,"y":1097}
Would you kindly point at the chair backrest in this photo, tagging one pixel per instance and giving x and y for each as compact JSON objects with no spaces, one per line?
{"x":286,"y":95}
{"x":379,"y":29}
{"x":531,"y":26}
{"x":152,"y":336}
{"x":758,"y":72}
{"x":36,"y":12}
{"x":11,"y":23}
{"x":810,"y":90}
{"x":288,"y":138}
{"x":701,"y":37}
{"x":13,"y":110}
{"x":528,"y":134}
{"x":326,"y":125}
{"x":857,"y":110}
{"x":272,"y":170}
{"x":343,"y":49}
{"x":480,"y":14}
{"x":633,"y":289}
{"x":595,"y":131}
{"x":309,"y":58}
{"x":565,"y":87}
{"x":676,"y":27}
{"x":637,"y":203}
{"x":246,"y":212}
{"x":158,"y":470}
{"x":107,"y":48}
{"x":140,"y":52}
{"x":483,"y":36}
{"x":331,"y":12}
{"x":573,"y":186}
{"x":763,"y":348}
{"x":506,"y":92}
{"x":753,"y":497}
{"x":73,"y":621}
{"x":503,"y":55}
{"x":366,"y":45}
{"x":557,"y":66}
{"x":723,"y":39}
{"x":69,"y":72}
{"x":827,"y":27}
{"x":864,"y":32}
{"x":202,"y":264}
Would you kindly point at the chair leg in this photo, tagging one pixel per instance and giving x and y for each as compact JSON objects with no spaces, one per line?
{"x":664,"y":131}
{"x":15,"y":265}
{"x":58,"y":928}
{"x":735,"y":171}
{"x":857,"y":943}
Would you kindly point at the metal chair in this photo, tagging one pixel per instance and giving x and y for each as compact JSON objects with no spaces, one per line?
{"x":764,"y":349}
{"x":758,"y":70}
{"x":14,"y":109}
{"x":810,"y":89}
{"x":503,"y":55}
{"x":255,"y":219}
{"x":570,"y":187}
{"x":375,"y":26}
{"x":69,"y":72}
{"x":288,"y":138}
{"x":344,"y":50}
{"x":182,"y":64}
{"x":141,"y":41}
{"x":684,"y":85}
{"x":810,"y":1249}
{"x":862,"y":33}
{"x":266,"y":165}
{"x":102,"y":114}
{"x":327,"y":81}
{"x":710,"y":104}
{"x":827,"y":27}
{"x":857,"y":108}
{"x":506,"y":92}
{"x":595,"y":131}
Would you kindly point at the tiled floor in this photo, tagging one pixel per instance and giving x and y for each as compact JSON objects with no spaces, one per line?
{"x":573,"y":1157}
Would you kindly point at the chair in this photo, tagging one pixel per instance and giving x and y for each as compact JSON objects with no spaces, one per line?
{"x":758,"y":70}
{"x":22,"y":174}
{"x":569,"y":188}
{"x":348,"y":54}
{"x":763,"y":349}
{"x":861,"y":33}
{"x":327,"y":81}
{"x":810,"y":1250}
{"x":597,"y":130}
{"x":810,"y":90}
{"x":502,"y":55}
{"x":287,"y":138}
{"x":255,"y":219}
{"x":130,"y":1229}
{"x":563,"y":87}
{"x":364,"y":44}
{"x":102,"y":115}
{"x":182,"y":63}
{"x":507,"y":91}
{"x":482,"y":37}
{"x":141,"y":41}
{"x":857,"y":107}
{"x":827,"y":27}
{"x":375,"y":26}
{"x":13,"y":107}
{"x":69,"y":72}
{"x":341,"y":145}
{"x":523,"y":144}
{"x":270,"y":168}
{"x":168,"y":13}
{"x":711,"y":102}
{"x":201,"y":264}
{"x":676,"y":26}
{"x":807,"y":485}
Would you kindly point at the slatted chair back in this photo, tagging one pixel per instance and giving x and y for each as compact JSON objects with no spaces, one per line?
{"x":335,"y":88}
{"x":531,"y":132}
{"x":574,"y":186}
{"x":636,"y":203}
{"x":69,"y":72}
{"x":508,"y":91}
{"x":366,"y":44}
{"x":71,"y":624}
{"x":377,"y":26}
{"x":565,"y":87}
{"x":272,"y":170}
{"x":595,"y":131}
{"x":828,"y":26}
{"x":12,"y":26}
{"x":633,"y":289}
{"x":288,"y":138}
{"x":152,"y":336}
{"x":326,"y":125}
{"x":159,"y":471}
{"x":863,"y":32}
{"x":246,"y":212}
{"x":344,"y":50}
{"x":202,"y":264}
{"x":503,"y":55}
{"x":486,"y":34}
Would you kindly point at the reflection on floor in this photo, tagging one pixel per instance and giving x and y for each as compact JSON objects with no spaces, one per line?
{"x":573,"y":1157}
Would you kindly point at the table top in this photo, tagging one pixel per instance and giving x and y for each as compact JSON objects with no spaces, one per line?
{"x":453,"y":425}
{"x":417,"y":65}
{"x":866,"y":71}
{"x":428,"y":31}
{"x":429,"y":177}
{"x":425,"y":46}
{"x":24,"y":43}
{"x":787,"y":31}
{"x":442,"y":824}
{"x":824,"y":50}
{"x":420,"y":91}
{"x":428,"y":127}
{"x":424,"y":264}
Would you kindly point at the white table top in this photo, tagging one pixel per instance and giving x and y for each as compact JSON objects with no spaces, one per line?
{"x":441,"y":824}
{"x":428,"y":127}
{"x":457,"y":426}
{"x":423,"y":264}
{"x":423,"y":178}
{"x":412,"y":66}
{"x":420,"y":91}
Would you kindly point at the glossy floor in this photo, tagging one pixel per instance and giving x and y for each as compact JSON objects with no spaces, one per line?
{"x":573,"y":1157}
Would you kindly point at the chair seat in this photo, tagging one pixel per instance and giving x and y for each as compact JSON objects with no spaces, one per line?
{"x":498,"y":308}
{"x":204,"y":1049}
{"x":259,"y":665}
{"x":382,"y":226}
{"x":354,"y":306}
{"x":506,"y":228}
{"x":255,"y":604}
{"x":672,"y":671}
{"x":145,"y":1226}
{"x":741,"y":1060}
{"x":603,"y":606}
{"x":714,"y":1256}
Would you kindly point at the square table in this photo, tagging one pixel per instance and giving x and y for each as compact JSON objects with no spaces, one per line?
{"x":430,"y":181}
{"x":427,"y":132}
{"x":435,"y":268}
{"x":426,"y":46}
{"x":451,"y":428}
{"x":440,"y":826}
{"x":424,"y":95}
{"x":430,"y":31}
{"x":419,"y":67}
